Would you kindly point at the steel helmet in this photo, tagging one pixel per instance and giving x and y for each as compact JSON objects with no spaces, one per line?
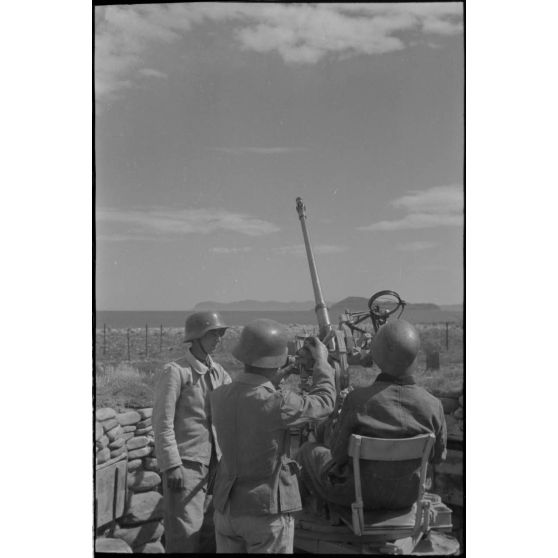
{"x":395,"y":347}
{"x":199,"y":323}
{"x":262,"y":343}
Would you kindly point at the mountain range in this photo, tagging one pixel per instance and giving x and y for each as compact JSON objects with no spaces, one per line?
{"x":351,"y":303}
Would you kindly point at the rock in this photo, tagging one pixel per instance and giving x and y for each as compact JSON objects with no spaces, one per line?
{"x":141,"y":452}
{"x":118,"y":451}
{"x":109,"y":424}
{"x":452,"y":393}
{"x":99,"y":431}
{"x":144,"y":423}
{"x":142,"y":507}
{"x":104,"y":414}
{"x":128,"y":418}
{"x":137,"y":442}
{"x":145,"y":413}
{"x":140,"y":535}
{"x":449,"y":488}
{"x":129,"y":428}
{"x":150,"y":548}
{"x":143,"y":481}
{"x":458,"y":413}
{"x":112,"y":545}
{"x":102,"y":456}
{"x":151,"y":464}
{"x":102,"y":443}
{"x":142,"y":431}
{"x":127,"y":436}
{"x":116,"y":432}
{"x":133,"y":464}
{"x":118,"y":443}
{"x":449,"y":404}
{"x":437,"y":544}
{"x":453,"y":465}
{"x":453,"y":428}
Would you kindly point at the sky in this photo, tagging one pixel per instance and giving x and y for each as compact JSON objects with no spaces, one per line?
{"x":512,"y":118}
{"x":212,"y":118}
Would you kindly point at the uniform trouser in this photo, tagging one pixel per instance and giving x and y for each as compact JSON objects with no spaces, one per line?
{"x":393,"y":487}
{"x":252,"y":534}
{"x":315,"y":460}
{"x":188,"y":517}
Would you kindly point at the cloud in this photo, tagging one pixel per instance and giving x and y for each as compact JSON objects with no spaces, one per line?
{"x":258,"y":150}
{"x":300,"y":250}
{"x":150,"y":72}
{"x":416,"y":246}
{"x":161,"y":222}
{"x":436,"y":200}
{"x":299,"y":33}
{"x":123,"y":237}
{"x":440,"y":206}
{"x":224,"y":250}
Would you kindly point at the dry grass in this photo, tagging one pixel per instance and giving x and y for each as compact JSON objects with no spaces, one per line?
{"x":121,"y":383}
{"x":123,"y":386}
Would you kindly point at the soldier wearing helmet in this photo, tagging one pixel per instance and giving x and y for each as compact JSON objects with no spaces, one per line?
{"x":392,"y":407}
{"x":184,"y":441}
{"x":256,"y":488}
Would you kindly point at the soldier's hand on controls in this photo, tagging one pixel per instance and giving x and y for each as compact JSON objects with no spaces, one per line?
{"x":317,"y":349}
{"x":175,"y":478}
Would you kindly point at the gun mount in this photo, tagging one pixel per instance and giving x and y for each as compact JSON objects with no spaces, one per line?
{"x":345,"y":348}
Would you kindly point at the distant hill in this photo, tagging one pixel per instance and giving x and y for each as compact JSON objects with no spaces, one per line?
{"x":359,"y":303}
{"x":452,"y":307}
{"x":415,"y":312}
{"x":418,"y":312}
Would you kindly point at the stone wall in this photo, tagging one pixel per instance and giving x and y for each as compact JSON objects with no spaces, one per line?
{"x":140,"y":527}
{"x":448,"y":475}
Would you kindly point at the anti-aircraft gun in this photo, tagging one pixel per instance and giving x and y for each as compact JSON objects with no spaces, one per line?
{"x":349,"y":343}
{"x":422,"y":530}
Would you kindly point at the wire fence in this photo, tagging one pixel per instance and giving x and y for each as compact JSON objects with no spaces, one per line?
{"x":160,"y":342}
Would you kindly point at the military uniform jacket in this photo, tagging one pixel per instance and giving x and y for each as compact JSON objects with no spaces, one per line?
{"x":389,"y":408}
{"x":252,"y":419}
{"x":181,"y":412}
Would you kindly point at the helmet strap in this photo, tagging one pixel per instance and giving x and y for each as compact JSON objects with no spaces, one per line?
{"x":196,"y":348}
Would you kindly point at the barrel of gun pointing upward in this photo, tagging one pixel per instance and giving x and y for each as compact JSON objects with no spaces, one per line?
{"x":322,"y":314}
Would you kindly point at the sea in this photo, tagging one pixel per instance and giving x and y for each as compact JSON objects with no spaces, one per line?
{"x":156,"y":318}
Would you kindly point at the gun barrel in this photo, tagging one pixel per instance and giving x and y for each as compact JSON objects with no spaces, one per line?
{"x":321,"y":308}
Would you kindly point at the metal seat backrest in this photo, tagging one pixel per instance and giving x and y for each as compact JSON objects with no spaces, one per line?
{"x":391,"y":449}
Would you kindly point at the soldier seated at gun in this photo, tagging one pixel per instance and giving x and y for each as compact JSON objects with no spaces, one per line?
{"x":392,"y":407}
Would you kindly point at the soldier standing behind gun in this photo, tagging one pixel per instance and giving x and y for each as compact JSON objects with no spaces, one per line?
{"x":256,"y":488}
{"x":184,"y":443}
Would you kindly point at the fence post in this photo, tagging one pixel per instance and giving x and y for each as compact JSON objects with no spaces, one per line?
{"x":128,"y":340}
{"x":432,"y":359}
{"x":104,"y":339}
{"x":184,"y":329}
{"x":161,"y":340}
{"x":145,"y":340}
{"x":447,"y":336}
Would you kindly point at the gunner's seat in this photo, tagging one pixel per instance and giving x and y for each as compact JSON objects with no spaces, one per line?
{"x":380,"y":531}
